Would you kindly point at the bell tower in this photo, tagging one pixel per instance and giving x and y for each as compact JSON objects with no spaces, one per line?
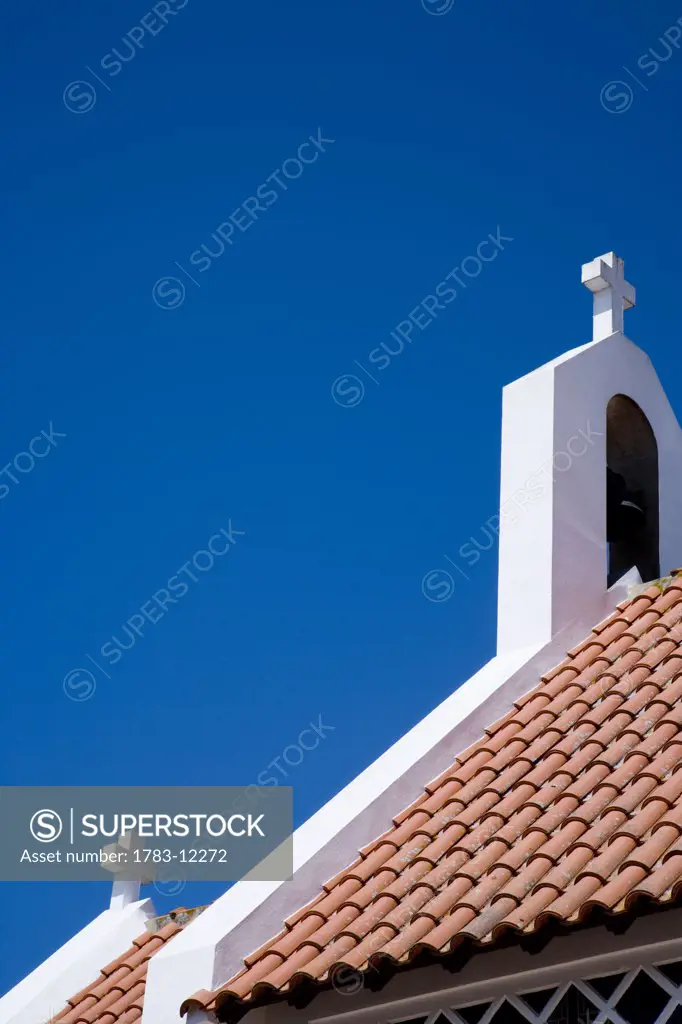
{"x":591,"y":482}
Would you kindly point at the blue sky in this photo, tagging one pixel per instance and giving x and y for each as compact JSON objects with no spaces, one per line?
{"x":229,"y":405}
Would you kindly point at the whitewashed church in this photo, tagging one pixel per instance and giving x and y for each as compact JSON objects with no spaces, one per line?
{"x":517,"y":856}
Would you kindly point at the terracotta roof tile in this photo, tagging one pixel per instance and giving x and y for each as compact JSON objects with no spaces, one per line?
{"x":117,"y":995}
{"x":570,"y":801}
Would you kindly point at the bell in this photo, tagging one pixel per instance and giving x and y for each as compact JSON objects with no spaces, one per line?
{"x":625,"y":515}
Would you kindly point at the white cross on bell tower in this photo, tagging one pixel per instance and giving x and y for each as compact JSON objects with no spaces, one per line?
{"x":605,"y":277}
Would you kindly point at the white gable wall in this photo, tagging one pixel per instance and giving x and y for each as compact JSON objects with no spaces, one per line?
{"x":553,"y":552}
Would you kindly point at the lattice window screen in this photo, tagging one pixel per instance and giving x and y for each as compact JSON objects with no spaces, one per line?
{"x":646,"y":995}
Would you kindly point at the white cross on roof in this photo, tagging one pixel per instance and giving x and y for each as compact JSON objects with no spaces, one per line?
{"x":605,"y":277}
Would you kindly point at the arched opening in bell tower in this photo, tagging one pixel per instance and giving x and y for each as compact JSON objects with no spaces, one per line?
{"x":631,"y":491}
